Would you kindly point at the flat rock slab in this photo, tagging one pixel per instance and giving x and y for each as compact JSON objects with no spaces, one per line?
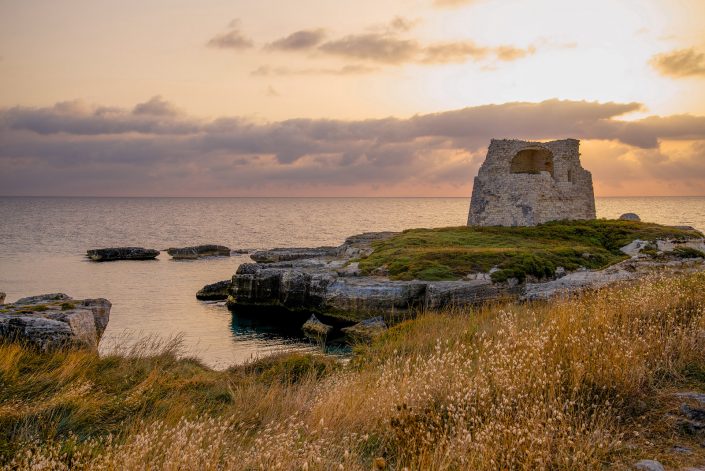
{"x":198,"y":251}
{"x":215,"y":291}
{"x":121,"y":253}
{"x":54,"y":321}
{"x":294,"y":253}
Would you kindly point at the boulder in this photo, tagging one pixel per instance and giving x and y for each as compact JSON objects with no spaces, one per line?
{"x":215,"y":291}
{"x":121,"y":253}
{"x":630,"y":217}
{"x":53,"y":321}
{"x":315,"y":328}
{"x":367,"y":330}
{"x":198,"y":251}
{"x":649,"y":465}
{"x":2,"y":297}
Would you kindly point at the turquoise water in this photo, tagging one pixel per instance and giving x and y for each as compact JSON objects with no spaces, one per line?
{"x":43,"y":242}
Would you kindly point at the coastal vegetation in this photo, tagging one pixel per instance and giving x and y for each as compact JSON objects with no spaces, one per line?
{"x":450,"y":253}
{"x":601,"y":379}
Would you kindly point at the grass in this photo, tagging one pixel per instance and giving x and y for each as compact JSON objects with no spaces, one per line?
{"x":585,"y":382}
{"x":517,"y":252}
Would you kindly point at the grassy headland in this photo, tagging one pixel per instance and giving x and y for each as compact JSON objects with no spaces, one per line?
{"x":579,"y":383}
{"x":452,"y":252}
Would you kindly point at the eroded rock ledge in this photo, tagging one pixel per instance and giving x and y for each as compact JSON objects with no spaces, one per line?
{"x":326,"y":281}
{"x":52,"y":321}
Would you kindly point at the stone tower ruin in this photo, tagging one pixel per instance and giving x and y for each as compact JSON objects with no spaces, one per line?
{"x":523,"y":183}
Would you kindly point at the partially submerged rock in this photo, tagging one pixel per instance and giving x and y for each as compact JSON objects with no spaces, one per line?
{"x":53,"y":321}
{"x":214,"y":292}
{"x":121,"y":253}
{"x":293,"y":253}
{"x":198,"y":251}
{"x":315,"y":328}
{"x":367,"y":330}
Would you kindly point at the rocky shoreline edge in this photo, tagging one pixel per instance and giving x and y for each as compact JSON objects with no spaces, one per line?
{"x":327,"y":284}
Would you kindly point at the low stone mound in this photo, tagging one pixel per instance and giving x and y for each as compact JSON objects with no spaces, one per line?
{"x":629,"y":217}
{"x":366,"y":330}
{"x":54,"y":321}
{"x":215,"y":291}
{"x":198,"y":251}
{"x":121,"y":253}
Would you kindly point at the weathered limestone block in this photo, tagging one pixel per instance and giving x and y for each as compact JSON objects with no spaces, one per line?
{"x":214,"y":291}
{"x":121,"y":253}
{"x":525,"y":183}
{"x":367,"y":330}
{"x":52,"y":321}
{"x":198,"y":251}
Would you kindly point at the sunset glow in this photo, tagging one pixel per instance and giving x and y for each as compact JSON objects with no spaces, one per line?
{"x":276,"y":98}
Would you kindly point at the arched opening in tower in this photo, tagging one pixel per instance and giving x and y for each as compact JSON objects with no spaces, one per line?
{"x":533,"y":161}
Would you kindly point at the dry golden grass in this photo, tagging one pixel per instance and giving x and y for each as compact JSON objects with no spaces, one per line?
{"x":579,"y":383}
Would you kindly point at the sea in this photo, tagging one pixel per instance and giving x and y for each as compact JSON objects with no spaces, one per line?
{"x":43,"y":242}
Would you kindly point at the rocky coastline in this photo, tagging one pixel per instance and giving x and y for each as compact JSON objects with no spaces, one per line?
{"x":327,"y":282}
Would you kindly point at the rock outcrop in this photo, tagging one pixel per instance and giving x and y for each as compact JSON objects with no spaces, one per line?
{"x":367,"y":330}
{"x":121,"y":253}
{"x":289,"y":254}
{"x":329,"y":283}
{"x":53,"y":321}
{"x":198,"y":251}
{"x":524,"y":183}
{"x":214,"y":292}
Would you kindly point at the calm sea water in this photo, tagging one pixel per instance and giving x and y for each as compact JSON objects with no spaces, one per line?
{"x":43,"y":242}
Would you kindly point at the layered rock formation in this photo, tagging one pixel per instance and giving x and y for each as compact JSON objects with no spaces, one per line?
{"x":198,"y":251}
{"x":121,"y":253}
{"x":52,"y":321}
{"x":214,"y":292}
{"x":523,"y":183}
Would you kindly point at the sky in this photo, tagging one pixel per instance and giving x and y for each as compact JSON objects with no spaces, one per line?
{"x":337,"y":98}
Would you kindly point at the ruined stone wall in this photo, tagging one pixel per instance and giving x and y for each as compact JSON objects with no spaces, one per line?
{"x":503,"y":198}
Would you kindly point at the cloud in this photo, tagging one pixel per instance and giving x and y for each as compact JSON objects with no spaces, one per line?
{"x":68,"y":147}
{"x":680,"y":63}
{"x":155,"y":106}
{"x":390,"y":49}
{"x":374,"y":47}
{"x":269,"y":71}
{"x":299,"y":40}
{"x":231,"y":39}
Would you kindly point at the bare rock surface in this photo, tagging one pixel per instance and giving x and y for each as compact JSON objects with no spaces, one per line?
{"x":121,"y":253}
{"x":649,"y":465}
{"x":293,"y":253}
{"x":366,"y":330}
{"x":215,"y":291}
{"x":198,"y":251}
{"x":52,"y":321}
